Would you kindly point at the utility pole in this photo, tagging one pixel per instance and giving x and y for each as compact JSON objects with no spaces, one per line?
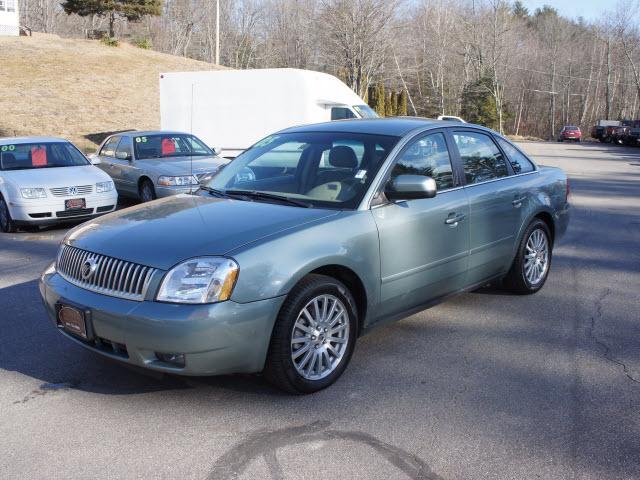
{"x":217,"y":32}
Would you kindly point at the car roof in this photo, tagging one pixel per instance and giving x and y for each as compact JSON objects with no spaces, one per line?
{"x":22,"y":140}
{"x":395,"y":126}
{"x":142,"y":133}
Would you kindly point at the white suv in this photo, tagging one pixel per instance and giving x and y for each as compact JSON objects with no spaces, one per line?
{"x":47,"y":180}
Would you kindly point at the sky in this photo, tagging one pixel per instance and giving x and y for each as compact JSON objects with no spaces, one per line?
{"x":591,"y":10}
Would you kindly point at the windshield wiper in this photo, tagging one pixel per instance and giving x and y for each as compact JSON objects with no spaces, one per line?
{"x":216,"y":192}
{"x":269,"y":196}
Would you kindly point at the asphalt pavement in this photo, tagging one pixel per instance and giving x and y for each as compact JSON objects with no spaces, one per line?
{"x":485,"y":386}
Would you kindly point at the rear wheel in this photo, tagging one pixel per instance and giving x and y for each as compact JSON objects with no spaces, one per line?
{"x":146,"y":191}
{"x":314,"y":336}
{"x":531,"y":265}
{"x":6,"y":222}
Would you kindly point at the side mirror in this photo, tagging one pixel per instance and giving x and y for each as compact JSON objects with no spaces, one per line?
{"x":407,"y":187}
{"x":94,"y":159}
{"x":123,"y":156}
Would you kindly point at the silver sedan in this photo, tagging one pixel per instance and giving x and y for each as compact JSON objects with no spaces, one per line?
{"x":154,"y":164}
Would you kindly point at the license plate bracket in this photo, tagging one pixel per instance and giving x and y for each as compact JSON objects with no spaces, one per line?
{"x":74,"y":319}
{"x":75,"y":204}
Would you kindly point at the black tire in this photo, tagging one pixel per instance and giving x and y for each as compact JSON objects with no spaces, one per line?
{"x":146,"y":191}
{"x":516,"y":279}
{"x":6,"y":222}
{"x":279,"y":368}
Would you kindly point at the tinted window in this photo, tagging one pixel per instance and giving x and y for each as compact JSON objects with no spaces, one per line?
{"x":109,"y":148}
{"x":519,"y":161}
{"x":40,"y":155}
{"x":481,"y":157}
{"x":341,"y":113}
{"x":125,"y":146}
{"x":324,"y":169}
{"x":427,"y":156}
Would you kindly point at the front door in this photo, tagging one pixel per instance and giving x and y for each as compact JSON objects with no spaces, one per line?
{"x":107,"y":155}
{"x":424,"y":243}
{"x":495,"y":204}
{"x":125,"y":166}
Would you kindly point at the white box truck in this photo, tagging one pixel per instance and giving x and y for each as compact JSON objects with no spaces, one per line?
{"x":232,"y":109}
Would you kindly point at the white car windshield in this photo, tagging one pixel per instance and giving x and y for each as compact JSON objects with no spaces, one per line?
{"x":27,"y":156}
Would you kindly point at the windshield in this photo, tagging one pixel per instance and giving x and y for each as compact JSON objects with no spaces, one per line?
{"x":170,"y":145}
{"x":25,"y":156}
{"x":322,"y":169}
{"x":365,"y":111}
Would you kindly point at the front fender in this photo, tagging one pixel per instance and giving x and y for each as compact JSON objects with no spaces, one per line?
{"x":272,"y":266}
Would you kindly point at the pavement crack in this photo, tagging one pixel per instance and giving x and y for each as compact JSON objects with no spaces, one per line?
{"x":607,"y":352}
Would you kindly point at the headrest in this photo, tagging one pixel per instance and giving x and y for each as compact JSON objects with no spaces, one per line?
{"x":342,"y":156}
{"x":9,"y":160}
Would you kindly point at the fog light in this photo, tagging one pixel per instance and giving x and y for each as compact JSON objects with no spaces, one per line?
{"x":175,"y":359}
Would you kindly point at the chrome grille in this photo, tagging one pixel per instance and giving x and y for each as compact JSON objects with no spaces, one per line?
{"x":117,"y":278}
{"x":69,"y":191}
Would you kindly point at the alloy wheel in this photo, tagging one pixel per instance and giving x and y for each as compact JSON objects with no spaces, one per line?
{"x":536,"y":257}
{"x":320,"y":337}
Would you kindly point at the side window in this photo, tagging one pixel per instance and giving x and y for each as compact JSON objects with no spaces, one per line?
{"x":284,"y":157}
{"x":428,"y":156}
{"x":109,"y":148}
{"x":480,"y":156}
{"x":519,"y":162}
{"x":125,"y":146}
{"x":341,"y":113}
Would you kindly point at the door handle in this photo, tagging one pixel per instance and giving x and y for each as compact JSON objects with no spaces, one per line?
{"x":518,"y":202}
{"x":453,"y":219}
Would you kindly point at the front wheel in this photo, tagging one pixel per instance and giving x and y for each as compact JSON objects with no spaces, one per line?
{"x":531,"y":265}
{"x":6,"y":222}
{"x":314,"y":336}
{"x":147,"y":192}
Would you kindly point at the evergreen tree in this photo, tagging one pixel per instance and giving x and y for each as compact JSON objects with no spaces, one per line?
{"x":132,"y":10}
{"x":478,"y":104}
{"x":381,"y":100}
{"x":519,"y":10}
{"x":402,"y":103}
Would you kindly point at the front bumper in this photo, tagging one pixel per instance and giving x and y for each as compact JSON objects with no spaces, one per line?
{"x":215,"y":339}
{"x":51,"y":210}
{"x":162,"y":192}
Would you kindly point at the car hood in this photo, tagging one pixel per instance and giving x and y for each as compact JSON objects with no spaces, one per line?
{"x":55,"y":177}
{"x":166,"y":231}
{"x":183,"y":166}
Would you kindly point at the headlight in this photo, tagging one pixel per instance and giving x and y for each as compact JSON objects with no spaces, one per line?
{"x":184,"y":180}
{"x":102,"y":187}
{"x":199,"y":280}
{"x":33,"y":192}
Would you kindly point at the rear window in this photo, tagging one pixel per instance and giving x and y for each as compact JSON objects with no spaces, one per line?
{"x":26,"y":156}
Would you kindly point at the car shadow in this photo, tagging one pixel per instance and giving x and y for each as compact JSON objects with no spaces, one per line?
{"x":31,"y":345}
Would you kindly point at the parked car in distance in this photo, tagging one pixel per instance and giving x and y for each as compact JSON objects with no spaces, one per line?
{"x":154,"y":164}
{"x":632,"y":137}
{"x":47,"y":180}
{"x":310,"y":238}
{"x":570,"y":132}
{"x":451,"y":118}
{"x":603,"y":130}
{"x":619,"y":134}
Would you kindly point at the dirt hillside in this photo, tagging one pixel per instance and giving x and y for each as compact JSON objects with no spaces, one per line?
{"x":80,"y":89}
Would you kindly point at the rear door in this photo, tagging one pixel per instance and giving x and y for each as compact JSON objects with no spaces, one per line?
{"x":495,"y":203}
{"x":424,"y":243}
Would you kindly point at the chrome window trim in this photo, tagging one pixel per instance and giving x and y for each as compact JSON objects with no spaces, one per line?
{"x":501,"y":178}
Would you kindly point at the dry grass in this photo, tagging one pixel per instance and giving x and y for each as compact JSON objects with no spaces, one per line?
{"x":80,"y":89}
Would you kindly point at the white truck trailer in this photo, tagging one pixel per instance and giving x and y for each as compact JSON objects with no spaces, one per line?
{"x":232,"y":109}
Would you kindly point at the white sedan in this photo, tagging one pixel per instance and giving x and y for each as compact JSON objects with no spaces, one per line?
{"x":47,"y":180}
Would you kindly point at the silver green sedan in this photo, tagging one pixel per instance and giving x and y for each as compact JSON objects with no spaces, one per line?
{"x":306,"y":241}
